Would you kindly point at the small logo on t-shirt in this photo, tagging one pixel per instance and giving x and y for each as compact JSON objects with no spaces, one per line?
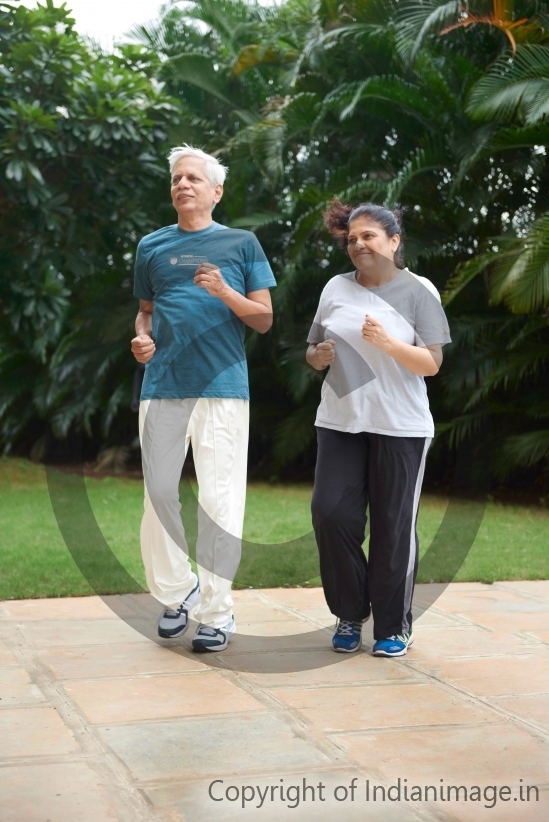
{"x":188,"y":259}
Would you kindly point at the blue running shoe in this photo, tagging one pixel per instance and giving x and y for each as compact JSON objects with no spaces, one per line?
{"x":348,"y":636}
{"x":394,"y":645}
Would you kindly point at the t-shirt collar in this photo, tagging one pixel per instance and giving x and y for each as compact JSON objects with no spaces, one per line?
{"x":212,"y":227}
{"x":377,"y":288}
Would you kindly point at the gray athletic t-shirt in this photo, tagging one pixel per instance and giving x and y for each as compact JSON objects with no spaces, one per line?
{"x":366,"y":389}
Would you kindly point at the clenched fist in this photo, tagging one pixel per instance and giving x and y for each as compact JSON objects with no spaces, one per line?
{"x":374,"y":332}
{"x":209,"y":276}
{"x":324,"y":354}
{"x":143,"y":348}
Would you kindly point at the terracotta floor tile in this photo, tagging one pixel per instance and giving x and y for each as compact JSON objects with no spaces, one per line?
{"x":258,"y":611}
{"x":509,"y":622}
{"x":191,"y":800}
{"x":536,"y":587}
{"x":223,"y":745}
{"x":320,"y":613}
{"x":34,"y":732}
{"x":156,"y":697}
{"x":433,"y":618}
{"x":297,"y":597}
{"x":79,"y":632}
{"x":67,"y":792}
{"x":16,"y":688}
{"x":532,"y":708}
{"x":457,"y":586}
{"x":354,"y":707}
{"x":6,"y":656}
{"x":124,"y":660}
{"x":274,"y":628}
{"x":500,"y":755}
{"x":493,"y":676}
{"x":318,"y":668}
{"x":277,"y":637}
{"x":441,"y":643}
{"x":387,"y":716}
{"x":247,"y":594}
{"x":506,"y":812}
{"x":541,"y":636}
{"x":24,"y":610}
{"x":490,"y":599}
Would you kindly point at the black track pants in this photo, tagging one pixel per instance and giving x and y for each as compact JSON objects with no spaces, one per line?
{"x":352,"y":471}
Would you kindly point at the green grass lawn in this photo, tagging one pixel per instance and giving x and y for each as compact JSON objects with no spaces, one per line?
{"x":512,"y":542}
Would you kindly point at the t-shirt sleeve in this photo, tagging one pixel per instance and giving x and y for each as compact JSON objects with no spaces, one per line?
{"x":142,"y":286}
{"x":258,"y":272}
{"x":431,"y":325}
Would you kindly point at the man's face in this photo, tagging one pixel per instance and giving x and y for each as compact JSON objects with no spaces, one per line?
{"x":192,"y":192}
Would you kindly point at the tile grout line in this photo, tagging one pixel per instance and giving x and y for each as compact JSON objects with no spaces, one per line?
{"x":482,"y":701}
{"x":130,"y":805}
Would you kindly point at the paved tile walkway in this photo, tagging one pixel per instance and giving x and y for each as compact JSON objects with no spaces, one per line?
{"x":98,"y":722}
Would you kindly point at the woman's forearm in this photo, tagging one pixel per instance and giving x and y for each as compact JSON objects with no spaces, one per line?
{"x":312,"y":359}
{"x":420,"y":361}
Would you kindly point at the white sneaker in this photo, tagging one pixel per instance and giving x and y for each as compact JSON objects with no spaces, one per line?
{"x":173,"y":623}
{"x":213,"y":639}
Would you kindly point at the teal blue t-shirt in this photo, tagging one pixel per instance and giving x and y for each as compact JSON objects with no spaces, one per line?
{"x":199,"y":341}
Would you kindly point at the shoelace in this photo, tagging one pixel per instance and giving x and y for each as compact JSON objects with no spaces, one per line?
{"x":345,"y":628}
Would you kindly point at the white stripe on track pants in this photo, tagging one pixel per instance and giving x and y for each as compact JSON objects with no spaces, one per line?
{"x":218,"y":430}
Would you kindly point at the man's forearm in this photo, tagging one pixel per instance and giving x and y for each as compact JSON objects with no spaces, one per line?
{"x":143,"y":323}
{"x":254,"y":314}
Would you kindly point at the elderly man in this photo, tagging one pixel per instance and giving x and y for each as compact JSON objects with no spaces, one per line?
{"x":199,"y":284}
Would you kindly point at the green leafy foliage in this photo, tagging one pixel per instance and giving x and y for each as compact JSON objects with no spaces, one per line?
{"x":360,"y":99}
{"x":81,"y":149}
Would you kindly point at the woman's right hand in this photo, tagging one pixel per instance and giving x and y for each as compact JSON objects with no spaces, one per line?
{"x":324,"y":354}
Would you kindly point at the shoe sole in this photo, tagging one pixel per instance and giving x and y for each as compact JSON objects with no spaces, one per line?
{"x":348,"y":650}
{"x":163,"y":635}
{"x":384,"y":653}
{"x":199,"y":648}
{"x":399,"y":653}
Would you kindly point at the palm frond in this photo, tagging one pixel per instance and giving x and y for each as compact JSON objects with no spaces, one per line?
{"x":419,"y":19}
{"x":518,"y":87}
{"x":524,"y":285}
{"x":523,"y":450}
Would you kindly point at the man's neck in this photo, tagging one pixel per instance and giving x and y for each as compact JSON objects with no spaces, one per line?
{"x":194,"y":222}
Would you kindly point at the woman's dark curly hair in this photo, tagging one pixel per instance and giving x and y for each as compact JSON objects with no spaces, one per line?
{"x":339,"y":217}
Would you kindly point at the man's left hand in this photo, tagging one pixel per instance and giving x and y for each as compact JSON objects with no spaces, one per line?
{"x":374,"y":332}
{"x":209,"y":276}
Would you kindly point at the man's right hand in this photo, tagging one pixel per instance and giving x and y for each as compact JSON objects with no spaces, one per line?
{"x":143,"y":348}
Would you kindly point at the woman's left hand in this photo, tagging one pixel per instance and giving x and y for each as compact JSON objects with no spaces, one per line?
{"x":374,"y":333}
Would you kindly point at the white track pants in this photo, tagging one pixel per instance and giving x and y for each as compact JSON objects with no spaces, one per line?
{"x":218,"y":430}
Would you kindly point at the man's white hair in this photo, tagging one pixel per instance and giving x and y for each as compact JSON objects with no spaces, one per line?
{"x":215,"y":171}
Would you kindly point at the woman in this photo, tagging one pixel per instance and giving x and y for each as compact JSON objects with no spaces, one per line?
{"x":380,"y":328}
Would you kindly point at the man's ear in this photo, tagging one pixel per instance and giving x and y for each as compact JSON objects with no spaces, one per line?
{"x":218,"y":193}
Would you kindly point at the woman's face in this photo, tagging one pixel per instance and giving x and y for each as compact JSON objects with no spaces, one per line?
{"x":368,"y":243}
